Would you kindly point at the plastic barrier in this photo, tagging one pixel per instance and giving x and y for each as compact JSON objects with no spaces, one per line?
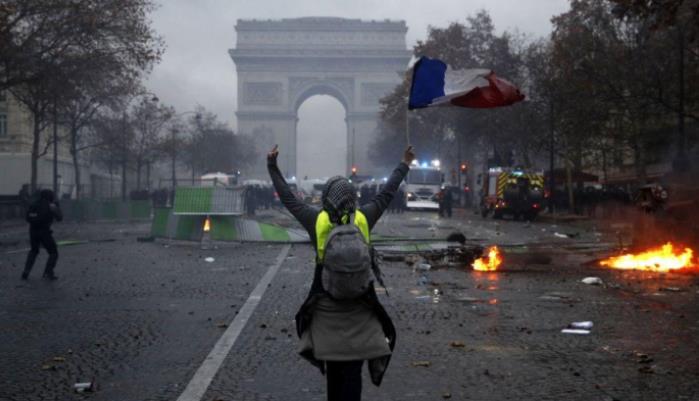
{"x":167,"y":224}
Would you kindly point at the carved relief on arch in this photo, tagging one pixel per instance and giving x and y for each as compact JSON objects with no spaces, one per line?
{"x":262,"y":93}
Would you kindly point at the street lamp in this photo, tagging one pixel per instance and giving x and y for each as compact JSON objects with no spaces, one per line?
{"x":154,"y":98}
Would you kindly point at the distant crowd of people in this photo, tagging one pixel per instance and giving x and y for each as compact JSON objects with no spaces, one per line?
{"x":368,"y":191}
{"x":258,"y":197}
{"x":602,"y":202}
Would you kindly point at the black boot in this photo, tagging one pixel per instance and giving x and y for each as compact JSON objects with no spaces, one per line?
{"x":50,"y":276}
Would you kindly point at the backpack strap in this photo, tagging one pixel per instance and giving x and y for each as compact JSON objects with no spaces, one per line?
{"x":377,"y":271}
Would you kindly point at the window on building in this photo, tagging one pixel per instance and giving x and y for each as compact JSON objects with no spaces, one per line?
{"x":3,"y":125}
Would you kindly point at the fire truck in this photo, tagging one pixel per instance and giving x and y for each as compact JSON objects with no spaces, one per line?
{"x":514,"y":192}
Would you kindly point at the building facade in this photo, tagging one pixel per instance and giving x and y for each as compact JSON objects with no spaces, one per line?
{"x":16,"y":139}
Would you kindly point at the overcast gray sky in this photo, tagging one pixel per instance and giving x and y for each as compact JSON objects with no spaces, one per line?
{"x":196,"y":68}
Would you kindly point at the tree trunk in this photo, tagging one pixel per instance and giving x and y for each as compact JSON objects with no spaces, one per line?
{"x":604,"y":165}
{"x":148,"y":175}
{"x":639,"y":161}
{"x":111,"y":179}
{"x":55,"y":152}
{"x":123,"y":178}
{"x":35,"y":153}
{"x":139,"y":165}
{"x":76,"y":166}
{"x":569,"y":185}
{"x":174,"y":169}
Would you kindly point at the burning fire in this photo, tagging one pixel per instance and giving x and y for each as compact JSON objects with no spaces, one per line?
{"x":662,"y":259}
{"x":489,"y":263}
{"x":207,"y":225}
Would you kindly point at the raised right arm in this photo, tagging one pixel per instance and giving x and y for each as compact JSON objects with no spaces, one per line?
{"x":305,"y":214}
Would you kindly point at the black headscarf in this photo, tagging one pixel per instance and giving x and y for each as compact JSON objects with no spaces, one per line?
{"x":339,"y":198}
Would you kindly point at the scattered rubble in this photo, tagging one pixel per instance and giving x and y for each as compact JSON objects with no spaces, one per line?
{"x":586,"y":325}
{"x":436,"y":255}
{"x":422,"y":266}
{"x":575,"y":331}
{"x":84,"y":387}
{"x":671,"y":289}
{"x":424,"y":364}
{"x":209,"y":259}
{"x":592,"y":281}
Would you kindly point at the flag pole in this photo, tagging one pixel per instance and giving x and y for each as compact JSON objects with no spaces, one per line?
{"x":407,"y":125}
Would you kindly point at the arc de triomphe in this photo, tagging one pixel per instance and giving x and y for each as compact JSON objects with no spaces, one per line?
{"x":281,"y":63}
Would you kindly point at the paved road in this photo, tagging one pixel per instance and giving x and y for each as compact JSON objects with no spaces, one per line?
{"x":141,"y":318}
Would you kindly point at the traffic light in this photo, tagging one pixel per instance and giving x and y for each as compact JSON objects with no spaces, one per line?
{"x":464,"y":167}
{"x":354,"y":173}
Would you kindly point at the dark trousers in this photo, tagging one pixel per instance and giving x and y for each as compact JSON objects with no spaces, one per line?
{"x":38,"y":239}
{"x":344,"y":380}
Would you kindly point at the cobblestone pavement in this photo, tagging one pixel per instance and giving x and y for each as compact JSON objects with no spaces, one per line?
{"x":137,"y":318}
{"x":140,"y":318}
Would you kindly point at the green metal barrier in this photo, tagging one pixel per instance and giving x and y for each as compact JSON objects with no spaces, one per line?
{"x":168,"y":224}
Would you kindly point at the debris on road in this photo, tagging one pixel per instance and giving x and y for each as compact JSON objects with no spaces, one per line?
{"x":586,"y":325}
{"x":436,"y":254}
{"x":592,"y":281}
{"x":457,"y":344}
{"x":671,"y":289}
{"x":446,"y":395}
{"x":84,"y":387}
{"x":423,"y":266}
{"x":59,"y":359}
{"x":646,"y":369}
{"x":575,"y":331}
{"x":222,"y":325}
{"x":424,"y":364}
{"x":209,"y":259}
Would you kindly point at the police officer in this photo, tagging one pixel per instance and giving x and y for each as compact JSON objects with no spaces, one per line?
{"x":40,"y":216}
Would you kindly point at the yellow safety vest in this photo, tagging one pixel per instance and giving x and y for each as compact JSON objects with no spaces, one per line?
{"x":324,"y":226}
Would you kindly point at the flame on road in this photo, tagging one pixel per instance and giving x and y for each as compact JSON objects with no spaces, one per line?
{"x":662,"y":259}
{"x":490,"y":262}
{"x":207,"y":225}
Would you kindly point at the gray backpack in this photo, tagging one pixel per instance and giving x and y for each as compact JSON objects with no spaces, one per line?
{"x":347,"y":263}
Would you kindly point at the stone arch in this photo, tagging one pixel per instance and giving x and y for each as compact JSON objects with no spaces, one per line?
{"x":321,"y":88}
{"x":281,"y":63}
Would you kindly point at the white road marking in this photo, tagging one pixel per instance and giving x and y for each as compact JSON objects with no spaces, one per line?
{"x":204,"y":375}
{"x":17,"y":251}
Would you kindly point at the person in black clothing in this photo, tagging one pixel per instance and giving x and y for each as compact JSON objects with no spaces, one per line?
{"x":24,"y":199}
{"x":344,"y":333}
{"x":448,"y":201}
{"x":40,"y":215}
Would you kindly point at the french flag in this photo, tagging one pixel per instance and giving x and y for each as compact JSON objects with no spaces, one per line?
{"x":436,"y":84}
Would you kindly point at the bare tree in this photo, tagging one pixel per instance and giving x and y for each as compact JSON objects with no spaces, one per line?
{"x":47,"y":47}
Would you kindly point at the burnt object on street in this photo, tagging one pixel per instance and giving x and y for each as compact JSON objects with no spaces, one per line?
{"x":435,"y":255}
